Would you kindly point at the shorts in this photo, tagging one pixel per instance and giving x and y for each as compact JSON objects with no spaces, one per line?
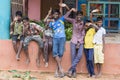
{"x":58,"y":46}
{"x":35,"y":38}
{"x":17,"y":37}
{"x":98,"y":54}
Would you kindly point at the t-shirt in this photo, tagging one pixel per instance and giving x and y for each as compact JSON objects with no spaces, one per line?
{"x":58,"y":27}
{"x":98,"y":38}
{"x":18,"y":28}
{"x":88,"y":40}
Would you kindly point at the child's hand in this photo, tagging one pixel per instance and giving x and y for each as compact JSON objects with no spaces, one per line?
{"x":15,"y":19}
{"x":11,"y":32}
{"x":95,"y":10}
{"x":62,"y":5}
{"x":74,"y":10}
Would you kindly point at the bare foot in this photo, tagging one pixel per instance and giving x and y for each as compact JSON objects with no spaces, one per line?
{"x":38,"y":62}
{"x":27,"y":61}
{"x":88,"y":76}
{"x":99,"y":75}
{"x":46,"y":64}
{"x":56,"y":75}
{"x":17,"y":58}
{"x":93,"y":76}
{"x":43,"y":60}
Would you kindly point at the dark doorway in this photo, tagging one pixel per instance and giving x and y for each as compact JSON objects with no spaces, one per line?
{"x":45,"y":6}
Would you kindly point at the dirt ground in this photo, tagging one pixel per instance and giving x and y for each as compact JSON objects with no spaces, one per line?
{"x":27,"y":75}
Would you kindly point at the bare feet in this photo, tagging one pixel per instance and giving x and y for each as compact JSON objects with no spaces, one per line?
{"x":98,"y":76}
{"x":88,"y":76}
{"x":93,"y":76}
{"x":38,"y":62}
{"x":69,"y":74}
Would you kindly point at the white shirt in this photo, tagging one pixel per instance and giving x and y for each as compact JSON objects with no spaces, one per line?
{"x":98,"y":37}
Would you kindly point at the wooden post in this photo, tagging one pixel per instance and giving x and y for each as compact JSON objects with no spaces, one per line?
{"x":25,"y":7}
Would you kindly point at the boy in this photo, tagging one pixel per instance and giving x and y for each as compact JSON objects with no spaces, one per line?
{"x":59,"y":39}
{"x":32,"y":32}
{"x":99,"y":41}
{"x":76,"y":44}
{"x":16,"y":31}
{"x":89,"y":47}
{"x":47,"y":38}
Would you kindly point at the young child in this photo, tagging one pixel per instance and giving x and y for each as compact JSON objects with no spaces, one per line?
{"x":89,"y":47}
{"x":99,"y":45}
{"x":47,"y":38}
{"x":16,"y":31}
{"x":31,"y":32}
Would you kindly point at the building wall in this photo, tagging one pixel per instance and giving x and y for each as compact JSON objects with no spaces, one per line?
{"x":34,"y":9}
{"x":7,"y":58}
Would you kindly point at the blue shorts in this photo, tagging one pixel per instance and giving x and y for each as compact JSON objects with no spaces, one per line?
{"x":58,"y":46}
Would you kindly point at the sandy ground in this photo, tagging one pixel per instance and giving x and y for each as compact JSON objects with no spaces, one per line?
{"x":17,"y":75}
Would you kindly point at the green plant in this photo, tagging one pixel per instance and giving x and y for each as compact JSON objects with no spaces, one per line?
{"x":68,"y":30}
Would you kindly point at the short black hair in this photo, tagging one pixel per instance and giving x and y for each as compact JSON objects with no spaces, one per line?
{"x":26,"y":18}
{"x":100,"y":18}
{"x":79,"y":12}
{"x":87,"y":21}
{"x":18,"y":13}
{"x":55,"y":10}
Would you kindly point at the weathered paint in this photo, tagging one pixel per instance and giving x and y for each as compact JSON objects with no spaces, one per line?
{"x":7,"y":58}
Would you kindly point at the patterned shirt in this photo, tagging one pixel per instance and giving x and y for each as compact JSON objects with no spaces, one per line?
{"x":58,"y":28}
{"x":78,"y":31}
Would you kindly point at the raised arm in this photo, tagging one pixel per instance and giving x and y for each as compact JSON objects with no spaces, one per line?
{"x":91,"y":14}
{"x":49,"y":13}
{"x":12,"y":25}
{"x":66,"y":16}
{"x":62,"y":5}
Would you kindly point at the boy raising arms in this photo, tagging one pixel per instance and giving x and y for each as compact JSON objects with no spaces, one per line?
{"x":59,"y":39}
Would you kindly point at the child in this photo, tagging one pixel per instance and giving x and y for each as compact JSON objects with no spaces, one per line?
{"x":99,"y":41}
{"x":32,"y":32}
{"x":59,"y":39}
{"x":76,"y":41}
{"x":47,"y":38}
{"x":89,"y":47}
{"x":16,"y":31}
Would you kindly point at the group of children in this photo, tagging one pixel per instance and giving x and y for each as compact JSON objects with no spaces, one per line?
{"x":86,"y":35}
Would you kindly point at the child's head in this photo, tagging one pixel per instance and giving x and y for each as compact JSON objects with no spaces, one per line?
{"x":99,"y":21}
{"x":87,"y":23}
{"x":56,"y":13}
{"x":26,"y":21}
{"x":18,"y":15}
{"x":79,"y":15}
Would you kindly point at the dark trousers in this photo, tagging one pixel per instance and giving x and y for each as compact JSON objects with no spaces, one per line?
{"x":89,"y":53}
